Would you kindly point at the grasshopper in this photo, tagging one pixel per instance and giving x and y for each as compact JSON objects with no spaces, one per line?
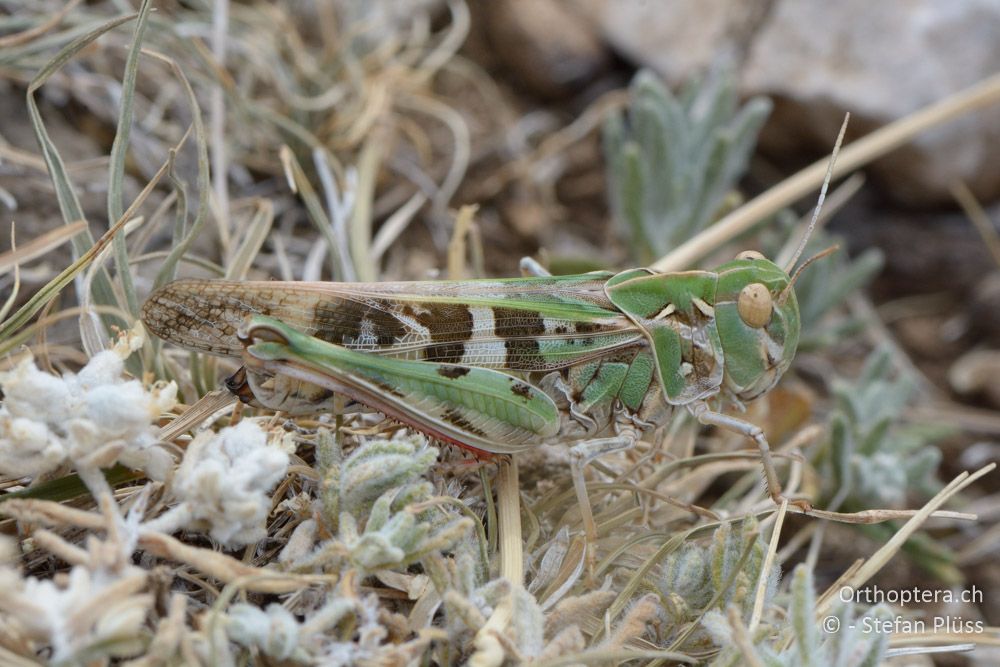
{"x":499,"y":366}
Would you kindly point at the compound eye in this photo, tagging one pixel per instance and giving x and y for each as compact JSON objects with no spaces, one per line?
{"x":754,"y":305}
{"x":750,"y":254}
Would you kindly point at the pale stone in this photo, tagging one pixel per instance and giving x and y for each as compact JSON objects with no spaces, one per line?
{"x":818,"y":59}
{"x":546,"y":45}
{"x":882,"y":61}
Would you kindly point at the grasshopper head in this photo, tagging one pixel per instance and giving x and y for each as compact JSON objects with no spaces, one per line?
{"x":758,"y":322}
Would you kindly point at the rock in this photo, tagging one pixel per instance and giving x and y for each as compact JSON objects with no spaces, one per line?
{"x":924,"y":252}
{"x":977,"y":372}
{"x":879,"y":60}
{"x":679,"y":38}
{"x":545,"y":45}
{"x":984,"y":309}
{"x":872,"y":59}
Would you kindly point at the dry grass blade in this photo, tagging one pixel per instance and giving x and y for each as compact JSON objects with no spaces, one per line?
{"x":226,"y":568}
{"x":458,"y":246}
{"x":253,"y":236}
{"x":772,"y":549}
{"x":923,"y":638}
{"x":119,"y":148}
{"x":978,"y":216}
{"x":217,"y":116}
{"x":854,"y":155}
{"x":16,"y":287}
{"x":69,"y":204}
{"x":39,"y":300}
{"x":878,"y":560}
{"x":39,"y":246}
{"x":182,"y":240}
{"x":339,"y":201}
{"x":299,"y":184}
{"x":395,"y":225}
{"x":360,"y":226}
{"x":25,"y":36}
{"x":869,"y":517}
{"x":509,"y":518}
{"x":208,"y":405}
{"x":51,"y":513}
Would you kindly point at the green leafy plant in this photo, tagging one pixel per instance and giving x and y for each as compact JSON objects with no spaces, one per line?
{"x":826,"y":285}
{"x":672,"y":160}
{"x":871,"y":459}
{"x":370,"y":499}
{"x":725,"y":572}
{"x":847,"y":642}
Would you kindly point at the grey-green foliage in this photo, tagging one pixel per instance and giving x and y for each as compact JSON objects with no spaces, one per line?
{"x":672,"y":160}
{"x":826,"y":284}
{"x":871,"y":459}
{"x":725,"y":572}
{"x":380,"y":465}
{"x":274,"y":632}
{"x":839,"y":639}
{"x":353,"y":484}
{"x":469,"y":601}
{"x":467,"y":613}
{"x":395,"y":536}
{"x":368,"y":499}
{"x":347,"y":629}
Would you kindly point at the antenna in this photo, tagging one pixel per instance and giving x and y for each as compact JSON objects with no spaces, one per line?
{"x":791,"y":283}
{"x":822,"y":196}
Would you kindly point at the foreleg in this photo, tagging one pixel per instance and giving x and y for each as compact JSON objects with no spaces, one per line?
{"x":582,"y":454}
{"x":736,"y":425}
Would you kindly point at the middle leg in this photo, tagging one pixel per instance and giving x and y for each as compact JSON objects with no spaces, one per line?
{"x":736,"y":425}
{"x":580,"y":455}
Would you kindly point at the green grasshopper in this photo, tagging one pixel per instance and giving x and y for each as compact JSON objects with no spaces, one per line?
{"x":500,"y":366}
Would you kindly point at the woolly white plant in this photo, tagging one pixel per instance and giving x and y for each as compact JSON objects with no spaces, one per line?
{"x":277,"y":633}
{"x":368,"y":503}
{"x":91,"y":419}
{"x":802,"y":640}
{"x":95,"y":612}
{"x":223,"y":484}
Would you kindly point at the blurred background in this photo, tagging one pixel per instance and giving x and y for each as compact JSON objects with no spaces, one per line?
{"x":336,"y":141}
{"x":503,"y":104}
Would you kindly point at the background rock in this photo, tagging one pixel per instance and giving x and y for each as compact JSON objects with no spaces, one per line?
{"x":818,"y":59}
{"x":543,"y":44}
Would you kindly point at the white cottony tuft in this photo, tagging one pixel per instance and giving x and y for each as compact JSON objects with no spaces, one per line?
{"x":225,"y":480}
{"x":276,"y":631}
{"x":91,"y":613}
{"x":46,"y":420}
